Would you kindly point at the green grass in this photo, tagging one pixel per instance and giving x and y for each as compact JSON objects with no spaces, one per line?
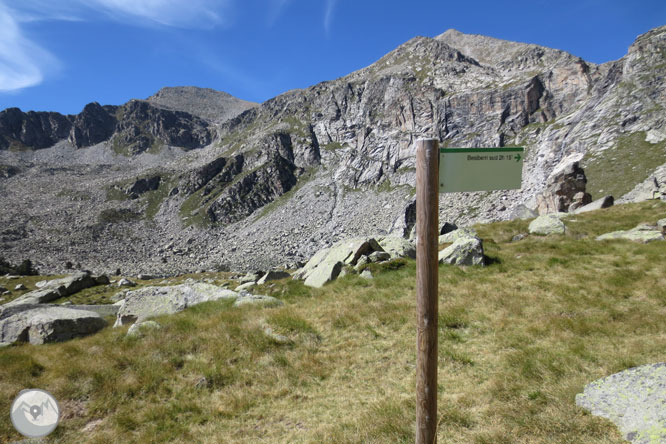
{"x":617,"y":170}
{"x":518,"y":339}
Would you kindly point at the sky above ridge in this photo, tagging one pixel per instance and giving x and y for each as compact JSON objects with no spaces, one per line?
{"x":58,"y":55}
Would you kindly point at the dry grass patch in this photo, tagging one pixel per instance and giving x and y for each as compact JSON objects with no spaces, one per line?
{"x":518,"y":339}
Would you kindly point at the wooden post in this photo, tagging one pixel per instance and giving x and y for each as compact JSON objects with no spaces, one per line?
{"x":427,"y":215}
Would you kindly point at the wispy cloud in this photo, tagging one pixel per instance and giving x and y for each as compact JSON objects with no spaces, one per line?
{"x":328,"y":16}
{"x":22,"y":62}
{"x":178,"y":13}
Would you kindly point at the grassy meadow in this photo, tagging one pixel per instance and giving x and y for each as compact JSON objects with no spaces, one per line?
{"x":518,"y":340}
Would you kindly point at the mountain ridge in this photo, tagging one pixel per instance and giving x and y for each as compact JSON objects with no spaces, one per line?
{"x":308,"y":167}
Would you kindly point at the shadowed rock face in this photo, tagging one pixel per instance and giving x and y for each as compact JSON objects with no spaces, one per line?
{"x":36,"y":130}
{"x":335,"y":160}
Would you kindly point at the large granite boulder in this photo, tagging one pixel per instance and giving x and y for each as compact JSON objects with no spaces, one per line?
{"x":643,"y":233}
{"x":57,"y":288}
{"x":604,"y":202}
{"x":633,"y":400}
{"x":563,"y":187}
{"x":463,"y":251}
{"x":398,"y":247}
{"x":326,"y":264}
{"x":154,"y":301}
{"x":38,"y":324}
{"x":547,"y":224}
{"x":460,"y":233}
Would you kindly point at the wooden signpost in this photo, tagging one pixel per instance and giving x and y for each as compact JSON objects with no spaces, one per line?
{"x":445,"y":170}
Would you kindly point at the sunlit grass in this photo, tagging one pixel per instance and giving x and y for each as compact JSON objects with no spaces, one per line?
{"x":518,"y":339}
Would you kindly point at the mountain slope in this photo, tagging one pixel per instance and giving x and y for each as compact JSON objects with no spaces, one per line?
{"x":211,"y":105}
{"x":308,"y":167}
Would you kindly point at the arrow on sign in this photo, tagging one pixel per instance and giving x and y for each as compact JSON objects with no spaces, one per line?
{"x":517,"y":157}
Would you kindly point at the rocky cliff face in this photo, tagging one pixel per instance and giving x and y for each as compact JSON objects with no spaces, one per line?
{"x":277,"y":182}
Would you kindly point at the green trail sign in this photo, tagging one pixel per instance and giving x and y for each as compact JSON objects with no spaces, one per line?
{"x":480,"y":169}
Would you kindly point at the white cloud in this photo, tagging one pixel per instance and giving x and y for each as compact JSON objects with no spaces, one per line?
{"x":178,"y":13}
{"x":22,"y":62}
{"x":328,"y":16}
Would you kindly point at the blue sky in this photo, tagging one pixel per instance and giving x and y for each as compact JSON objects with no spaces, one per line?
{"x":58,"y":55}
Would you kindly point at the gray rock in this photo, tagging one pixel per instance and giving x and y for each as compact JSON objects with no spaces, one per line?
{"x":604,"y":202}
{"x":642,"y":233}
{"x":565,"y":181}
{"x":522,"y":212}
{"x":518,"y":237}
{"x":154,"y":301}
{"x":273,"y":276}
{"x":145,"y":277}
{"x":125,"y":283}
{"x":464,"y":251}
{"x":245,"y":286}
{"x":366,"y":274}
{"x":379,"y":256}
{"x":57,"y":288}
{"x":103,"y":310}
{"x":363,"y":260}
{"x":661,"y":224}
{"x":257,"y":299}
{"x":579,"y":200}
{"x":326,"y":264}
{"x":326,"y":271}
{"x":547,"y":224}
{"x":38,"y":324}
{"x":139,"y":329}
{"x":633,"y":400}
{"x":20,"y":287}
{"x":460,"y":233}
{"x":398,"y":247}
{"x":251,"y":277}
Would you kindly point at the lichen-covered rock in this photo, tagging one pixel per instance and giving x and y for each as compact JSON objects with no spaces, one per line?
{"x":633,"y":400}
{"x":154,"y":301}
{"x":39,"y":324}
{"x":327,"y":270}
{"x":464,"y":251}
{"x":57,"y":288}
{"x":643,"y":233}
{"x":245,"y":298}
{"x":326,"y":264}
{"x":547,"y":224}
{"x":139,"y":329}
{"x":398,"y":247}
{"x":460,"y":233}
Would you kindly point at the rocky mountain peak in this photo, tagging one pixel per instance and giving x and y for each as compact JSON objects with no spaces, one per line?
{"x":208,"y":104}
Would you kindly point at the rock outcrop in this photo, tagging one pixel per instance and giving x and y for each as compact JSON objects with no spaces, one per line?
{"x":39,"y":324}
{"x":565,"y":189}
{"x":547,"y":224}
{"x":642,"y":233}
{"x":56,"y":289}
{"x":466,"y":249}
{"x":155,"y":301}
